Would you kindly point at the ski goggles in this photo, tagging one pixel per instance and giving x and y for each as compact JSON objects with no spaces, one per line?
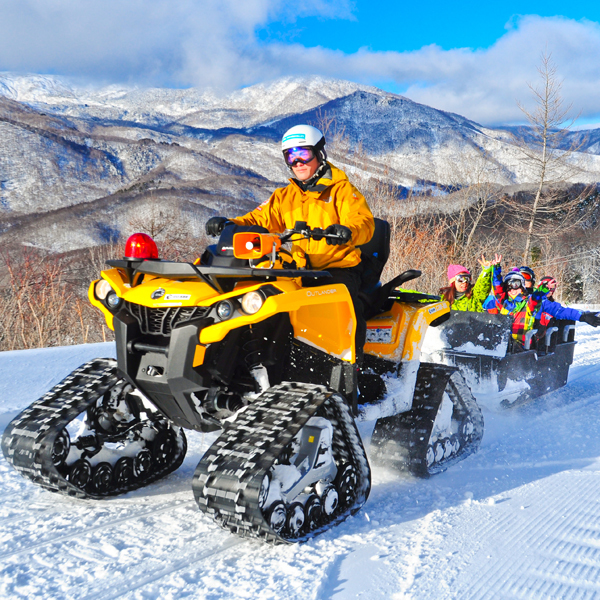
{"x":550,"y":283}
{"x":514,"y":284}
{"x":463,"y":278}
{"x":526,"y":276}
{"x":298,"y":155}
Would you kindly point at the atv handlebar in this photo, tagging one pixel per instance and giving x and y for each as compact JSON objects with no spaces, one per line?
{"x":301,"y":228}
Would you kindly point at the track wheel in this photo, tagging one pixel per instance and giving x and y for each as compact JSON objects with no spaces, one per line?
{"x":264,"y":491}
{"x":164,"y":447}
{"x":60,"y":448}
{"x":295,"y":518}
{"x":102,"y":477}
{"x":345,"y":483}
{"x":142,"y":463}
{"x":80,"y":473}
{"x":277,"y":516}
{"x":330,"y":500}
{"x":123,"y":471}
{"x":438,"y":451}
{"x":467,"y":428}
{"x":430,"y":456}
{"x":312,"y":512}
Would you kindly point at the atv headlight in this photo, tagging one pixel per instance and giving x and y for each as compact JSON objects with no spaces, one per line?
{"x":102,"y":288}
{"x":224,"y":310}
{"x":112,"y":300}
{"x":252,"y":302}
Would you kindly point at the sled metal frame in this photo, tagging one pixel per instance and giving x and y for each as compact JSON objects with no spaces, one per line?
{"x":544,"y":367}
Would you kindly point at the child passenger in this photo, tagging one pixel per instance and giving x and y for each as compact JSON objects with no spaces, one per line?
{"x":509,"y":297}
{"x":461,"y":294}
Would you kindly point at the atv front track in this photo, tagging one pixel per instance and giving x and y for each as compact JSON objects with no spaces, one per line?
{"x":227,"y":482}
{"x":96,"y":462}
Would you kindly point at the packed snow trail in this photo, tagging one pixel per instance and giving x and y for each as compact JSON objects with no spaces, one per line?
{"x":519,"y":519}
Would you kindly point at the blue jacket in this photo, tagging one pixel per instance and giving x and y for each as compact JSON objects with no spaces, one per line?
{"x":550,"y":309}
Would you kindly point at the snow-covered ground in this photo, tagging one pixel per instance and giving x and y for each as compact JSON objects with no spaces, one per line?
{"x":520,"y":519}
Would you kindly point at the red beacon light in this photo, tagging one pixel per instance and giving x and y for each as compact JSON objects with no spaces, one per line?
{"x":141,"y":246}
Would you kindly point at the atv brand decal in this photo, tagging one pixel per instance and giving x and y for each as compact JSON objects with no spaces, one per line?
{"x":379,"y":335}
{"x":178,"y":296}
{"x":320,"y":292}
{"x":434,"y":309}
{"x":156,"y":294}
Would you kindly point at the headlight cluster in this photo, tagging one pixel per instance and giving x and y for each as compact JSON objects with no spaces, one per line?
{"x":104,"y":292}
{"x":225,"y":309}
{"x":102,"y":288}
{"x":250,"y":303}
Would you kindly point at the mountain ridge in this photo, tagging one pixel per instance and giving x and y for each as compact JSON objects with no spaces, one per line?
{"x":64,"y":144}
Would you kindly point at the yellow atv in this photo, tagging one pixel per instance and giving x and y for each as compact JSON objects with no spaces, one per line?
{"x":242,"y":341}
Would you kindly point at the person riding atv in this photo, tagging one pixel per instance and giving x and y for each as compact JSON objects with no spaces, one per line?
{"x":322,"y":196}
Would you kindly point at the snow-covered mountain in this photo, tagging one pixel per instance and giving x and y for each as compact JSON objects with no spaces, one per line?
{"x":108,"y":150}
{"x":518,"y":519}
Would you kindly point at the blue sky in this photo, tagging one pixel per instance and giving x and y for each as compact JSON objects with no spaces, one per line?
{"x":474,"y":59}
{"x":403,"y":26}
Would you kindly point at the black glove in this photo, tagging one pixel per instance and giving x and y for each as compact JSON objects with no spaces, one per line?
{"x":591,"y":318}
{"x":343,"y":234}
{"x":215,"y":225}
{"x":317,"y":234}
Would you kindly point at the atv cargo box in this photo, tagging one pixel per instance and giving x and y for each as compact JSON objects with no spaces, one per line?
{"x":497,"y":371}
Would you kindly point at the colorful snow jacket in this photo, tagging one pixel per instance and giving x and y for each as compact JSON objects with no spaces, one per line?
{"x":331,"y":200}
{"x":551,"y":309}
{"x":481,"y":290}
{"x":521,"y":308}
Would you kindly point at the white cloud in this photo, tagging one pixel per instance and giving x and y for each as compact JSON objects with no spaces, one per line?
{"x":213,"y":43}
{"x":164,"y":42}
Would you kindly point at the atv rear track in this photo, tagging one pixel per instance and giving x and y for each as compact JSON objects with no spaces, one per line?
{"x":418,"y":440}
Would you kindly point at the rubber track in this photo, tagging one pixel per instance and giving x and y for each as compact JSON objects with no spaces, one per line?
{"x":28,"y":439}
{"x":227,"y":481}
{"x":411,"y":430}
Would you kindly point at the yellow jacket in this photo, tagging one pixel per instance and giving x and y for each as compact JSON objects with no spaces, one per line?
{"x":337,"y":201}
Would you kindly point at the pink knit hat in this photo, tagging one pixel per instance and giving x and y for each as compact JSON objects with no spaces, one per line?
{"x":454,"y":270}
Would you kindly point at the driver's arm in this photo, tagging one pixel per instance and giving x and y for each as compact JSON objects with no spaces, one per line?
{"x":355,"y":214}
{"x":266,"y":215}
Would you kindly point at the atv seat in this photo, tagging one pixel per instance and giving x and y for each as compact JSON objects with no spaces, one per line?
{"x":374,"y":255}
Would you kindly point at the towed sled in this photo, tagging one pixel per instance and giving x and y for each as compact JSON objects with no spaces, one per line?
{"x":244,"y":343}
{"x":481,"y":347}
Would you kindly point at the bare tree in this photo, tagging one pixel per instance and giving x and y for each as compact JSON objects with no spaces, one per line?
{"x":547,"y":154}
{"x":471,"y":204}
{"x":166,"y":224}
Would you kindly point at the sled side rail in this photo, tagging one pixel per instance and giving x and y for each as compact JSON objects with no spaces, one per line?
{"x":471,"y":333}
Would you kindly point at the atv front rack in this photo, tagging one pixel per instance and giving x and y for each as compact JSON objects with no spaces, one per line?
{"x":183,"y":270}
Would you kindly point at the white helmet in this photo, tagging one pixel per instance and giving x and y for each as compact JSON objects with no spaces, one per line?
{"x":302,"y":136}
